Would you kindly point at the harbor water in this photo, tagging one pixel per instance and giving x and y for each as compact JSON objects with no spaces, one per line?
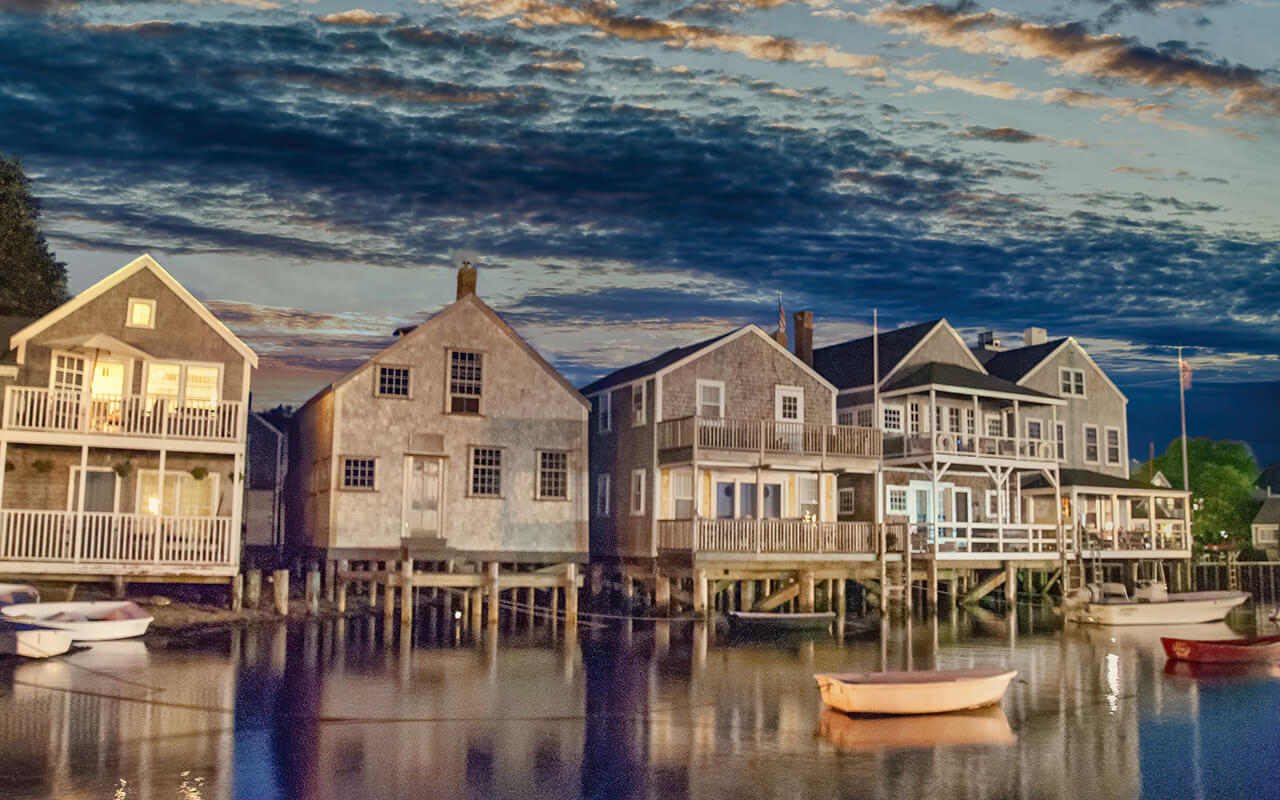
{"x":632,"y":710}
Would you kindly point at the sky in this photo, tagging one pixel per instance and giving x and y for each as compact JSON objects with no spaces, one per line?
{"x":632,"y":176}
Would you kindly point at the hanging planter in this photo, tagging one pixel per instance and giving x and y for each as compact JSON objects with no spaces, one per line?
{"x":122,"y":468}
{"x":9,"y":466}
{"x":42,"y":465}
{"x":199,"y":473}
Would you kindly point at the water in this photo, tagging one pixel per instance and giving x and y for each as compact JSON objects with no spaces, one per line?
{"x":645,"y":710}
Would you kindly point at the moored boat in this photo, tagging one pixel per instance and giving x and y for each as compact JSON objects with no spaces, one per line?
{"x":18,"y":593}
{"x":1222,"y":651}
{"x":770,"y":622}
{"x":32,"y":641}
{"x":88,"y":621}
{"x":916,"y":692}
{"x":1109,"y":604}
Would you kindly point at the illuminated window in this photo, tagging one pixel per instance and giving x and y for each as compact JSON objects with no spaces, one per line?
{"x":184,"y":496}
{"x":182,"y":385}
{"x":142,"y":313}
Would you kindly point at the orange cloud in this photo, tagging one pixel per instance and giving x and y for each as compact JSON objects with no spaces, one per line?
{"x":356,"y":16}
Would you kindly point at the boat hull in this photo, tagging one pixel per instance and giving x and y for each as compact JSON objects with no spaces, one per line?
{"x":1180,"y":609}
{"x":92,"y":628}
{"x":1222,"y":651}
{"x":32,"y":641}
{"x":922,"y":692}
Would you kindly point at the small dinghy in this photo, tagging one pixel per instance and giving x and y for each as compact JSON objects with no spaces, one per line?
{"x":18,"y":593}
{"x":766,"y":622}
{"x":32,"y":641}
{"x":919,"y":692}
{"x":89,"y":621}
{"x":1222,"y":651}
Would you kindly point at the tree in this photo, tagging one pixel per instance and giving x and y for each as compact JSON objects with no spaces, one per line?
{"x":32,"y":281}
{"x":1222,"y":475}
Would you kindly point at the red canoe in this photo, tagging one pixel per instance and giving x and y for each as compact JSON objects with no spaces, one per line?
{"x":1223,"y":651}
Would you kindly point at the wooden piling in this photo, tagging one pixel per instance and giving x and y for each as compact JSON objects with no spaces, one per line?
{"x":253,"y":588}
{"x":700,"y":592}
{"x":806,"y":597}
{"x":313,"y":592}
{"x":662,"y":592}
{"x":748,"y":595}
{"x":330,"y":573}
{"x":237,"y":592}
{"x":280,"y":589}
{"x":840,"y":597}
{"x":388,"y":596}
{"x":117,"y":587}
{"x":931,"y":598}
{"x":340,"y":590}
{"x":571,"y":595}
{"x":476,"y":608}
{"x":1011,"y":583}
{"x":406,"y":591}
{"x":491,"y":587}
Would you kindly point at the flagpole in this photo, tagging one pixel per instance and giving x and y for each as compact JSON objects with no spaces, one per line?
{"x":875,"y":369}
{"x":1182,"y":403}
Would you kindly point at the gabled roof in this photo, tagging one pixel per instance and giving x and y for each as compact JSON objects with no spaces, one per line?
{"x":1269,"y":514}
{"x":19,"y":339}
{"x":1070,"y":341}
{"x":1083,"y":478}
{"x":1013,"y":365}
{"x":938,"y":373}
{"x":645,"y":368}
{"x":849,"y":364}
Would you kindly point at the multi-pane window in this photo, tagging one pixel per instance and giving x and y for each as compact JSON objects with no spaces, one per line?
{"x":970,"y":421}
{"x":892,"y":418}
{"x":68,"y":373}
{"x":486,"y":471}
{"x":186,"y":385}
{"x":993,"y":425}
{"x":789,"y":407}
{"x":953,"y":420}
{"x":1062,"y":441}
{"x":807,"y":489}
{"x":393,"y":381}
{"x":710,"y":398}
{"x":465,"y":381}
{"x":637,"y":491}
{"x":1113,"y":446}
{"x":937,"y":419}
{"x":1091,"y":444}
{"x":845,"y":500}
{"x":1034,"y":429}
{"x":553,"y":475}
{"x":913,"y":417}
{"x":604,"y":411}
{"x":602,"y":494}
{"x":1072,"y":381}
{"x":358,"y":473}
{"x":866,"y":417}
{"x":637,"y":404}
{"x":682,"y":493}
{"x":897,"y":500}
{"x":184,"y":496}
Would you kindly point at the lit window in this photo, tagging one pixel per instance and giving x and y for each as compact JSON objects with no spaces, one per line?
{"x":182,"y":385}
{"x":486,"y":471}
{"x":465,"y":380}
{"x":142,"y":313}
{"x":393,"y":381}
{"x":807,"y":488}
{"x":682,"y":493}
{"x":184,"y":495}
{"x":357,"y":473}
{"x":553,"y":476}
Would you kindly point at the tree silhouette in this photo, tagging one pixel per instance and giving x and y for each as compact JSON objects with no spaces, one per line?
{"x":32,"y":281}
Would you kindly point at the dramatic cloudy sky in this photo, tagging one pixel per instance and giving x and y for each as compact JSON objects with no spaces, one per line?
{"x":634,"y":174}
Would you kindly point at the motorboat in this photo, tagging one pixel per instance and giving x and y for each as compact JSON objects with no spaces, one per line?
{"x":32,"y":641}
{"x":1109,"y":603}
{"x":1222,"y":651}
{"x":916,"y":692}
{"x":86,"y":621}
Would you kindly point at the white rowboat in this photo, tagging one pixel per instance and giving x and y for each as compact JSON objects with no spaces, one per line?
{"x":919,"y":692}
{"x":88,"y":621}
{"x":32,"y":641}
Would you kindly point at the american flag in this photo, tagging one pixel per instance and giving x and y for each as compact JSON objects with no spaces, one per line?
{"x":1184,"y":369}
{"x":782,"y":318}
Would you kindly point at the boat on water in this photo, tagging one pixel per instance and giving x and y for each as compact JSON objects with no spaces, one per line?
{"x":987,"y":725}
{"x":1222,"y":651}
{"x":1108,"y":603}
{"x":917,"y":692}
{"x":18,"y":593}
{"x":32,"y":641}
{"x":87,"y":621}
{"x":765,"y":622}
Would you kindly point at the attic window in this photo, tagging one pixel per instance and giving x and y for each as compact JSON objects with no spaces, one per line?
{"x":142,"y":313}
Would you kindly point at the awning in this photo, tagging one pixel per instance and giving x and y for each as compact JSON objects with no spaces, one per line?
{"x":99,"y":343}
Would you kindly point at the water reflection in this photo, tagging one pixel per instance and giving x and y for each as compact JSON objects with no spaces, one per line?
{"x":638,"y":710}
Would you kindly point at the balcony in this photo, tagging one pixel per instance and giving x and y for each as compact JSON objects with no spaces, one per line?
{"x":29,"y":408}
{"x":769,"y":437}
{"x":970,"y":446}
{"x":766,"y":536}
{"x":93,"y":542}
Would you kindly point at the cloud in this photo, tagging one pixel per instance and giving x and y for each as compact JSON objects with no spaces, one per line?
{"x":1011,"y":135}
{"x":356,"y":16}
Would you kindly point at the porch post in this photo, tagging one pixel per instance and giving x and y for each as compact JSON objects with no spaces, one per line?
{"x":159,"y":515}
{"x":931,"y":508}
{"x":79,"y":535}
{"x":1151,"y":517}
{"x":1017,"y":432}
{"x":237,"y":508}
{"x":1115,"y":518}
{"x":4,"y":454}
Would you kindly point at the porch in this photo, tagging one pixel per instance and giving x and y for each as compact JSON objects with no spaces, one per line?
{"x":677,"y":438}
{"x":43,"y":410}
{"x":958,"y":447}
{"x":767,"y":536}
{"x":94,"y":543}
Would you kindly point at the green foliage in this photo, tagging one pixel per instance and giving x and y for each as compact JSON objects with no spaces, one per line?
{"x":1221,"y":480}
{"x":32,"y":281}
{"x":199,"y":473}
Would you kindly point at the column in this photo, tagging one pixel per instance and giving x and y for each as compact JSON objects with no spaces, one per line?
{"x":700,"y":592}
{"x":806,"y":591}
{"x":571,"y":595}
{"x":491,"y":587}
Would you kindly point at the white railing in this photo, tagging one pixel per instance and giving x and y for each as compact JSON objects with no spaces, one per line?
{"x":769,"y":436}
{"x":766,"y":536}
{"x":949,"y":444}
{"x":31,"y":408}
{"x":116,"y":539}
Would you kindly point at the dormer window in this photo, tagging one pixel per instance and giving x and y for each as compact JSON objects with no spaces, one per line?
{"x":142,"y":313}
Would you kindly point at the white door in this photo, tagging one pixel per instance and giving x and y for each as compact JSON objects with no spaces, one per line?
{"x":788,"y":408}
{"x":422,"y":505}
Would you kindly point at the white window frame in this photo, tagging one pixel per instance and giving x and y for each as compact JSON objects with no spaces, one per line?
{"x":1106,"y":446}
{"x":913,"y":417}
{"x":540,"y":491}
{"x":676,"y":475}
{"x":1084,"y":444}
{"x":602,"y":494}
{"x":865,"y":416}
{"x":639,"y":404}
{"x":471,"y":471}
{"x":73,"y":497}
{"x":1060,"y":440}
{"x":342,"y":474}
{"x":846,"y":500}
{"x":846,"y":416}
{"x":780,"y":394}
{"x":408,"y":382}
{"x":1073,"y":380}
{"x":987,"y":419}
{"x":177,"y":501}
{"x":605,"y":424}
{"x":135,"y":302}
{"x":884,"y":418}
{"x":890,"y":492}
{"x":997,"y":506}
{"x":699,"y":384}
{"x":955,"y":420}
{"x":181,"y":402}
{"x":482,"y":362}
{"x":637,"y":492}
{"x":1039,"y":423}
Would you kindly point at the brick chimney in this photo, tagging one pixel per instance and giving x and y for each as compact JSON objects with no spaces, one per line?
{"x":987,"y":341}
{"x":1032,"y":336}
{"x":804,"y":336}
{"x":466,"y":280}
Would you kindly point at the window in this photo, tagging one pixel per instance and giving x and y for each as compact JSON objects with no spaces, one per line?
{"x":710,"y":398}
{"x":970,"y":421}
{"x":913,"y":417}
{"x":393,"y":381}
{"x":1091,"y":444}
{"x":1113,"y":446}
{"x":1062,"y":440}
{"x":937,"y":419}
{"x":993,"y":504}
{"x":184,"y":496}
{"x":807,"y":488}
{"x":182,"y":385}
{"x":993,"y":425}
{"x":1072,"y":381}
{"x":142,"y":313}
{"x":553,"y":475}
{"x":866,"y":417}
{"x":847,"y":416}
{"x":637,"y":492}
{"x":604,"y":411}
{"x":486,"y":472}
{"x":101,"y":490}
{"x":68,"y":373}
{"x":953,"y":420}
{"x":466,"y":377}
{"x":637,"y":404}
{"x":892,"y":418}
{"x":358,"y":473}
{"x":1035,"y":429}
{"x":682,"y":493}
{"x":897,"y":500}
{"x":788,"y":403}
{"x":602,"y":494}
{"x":747,"y":500}
{"x":845,"y":500}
